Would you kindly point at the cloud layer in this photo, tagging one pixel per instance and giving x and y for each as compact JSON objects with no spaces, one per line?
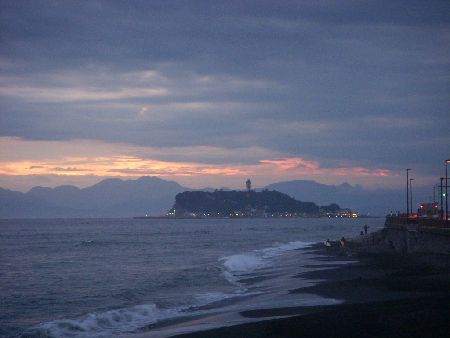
{"x":96,"y":159}
{"x":225,"y":85}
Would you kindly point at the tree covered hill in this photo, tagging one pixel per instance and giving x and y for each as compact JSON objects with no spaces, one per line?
{"x":243,"y":203}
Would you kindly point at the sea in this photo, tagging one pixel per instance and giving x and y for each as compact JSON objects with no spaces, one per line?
{"x":155,"y":277}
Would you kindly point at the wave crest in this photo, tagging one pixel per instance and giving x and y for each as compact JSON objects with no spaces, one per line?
{"x":258,"y":259}
{"x":103,"y":324}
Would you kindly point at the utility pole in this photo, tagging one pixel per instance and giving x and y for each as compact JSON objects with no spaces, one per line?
{"x":407,"y":192}
{"x":411,"y":195}
{"x":446,"y":193}
{"x":442,"y":206}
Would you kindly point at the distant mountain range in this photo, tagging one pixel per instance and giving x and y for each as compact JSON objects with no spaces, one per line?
{"x":154,"y":196}
{"x":376,"y":202}
{"x":109,"y":198}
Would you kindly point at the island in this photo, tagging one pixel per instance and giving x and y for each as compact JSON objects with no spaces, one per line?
{"x":250,"y":203}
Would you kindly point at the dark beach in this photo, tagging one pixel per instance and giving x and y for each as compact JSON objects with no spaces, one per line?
{"x":385,"y":294}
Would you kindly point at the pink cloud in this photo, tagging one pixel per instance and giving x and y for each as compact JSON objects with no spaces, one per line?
{"x":292,"y":163}
{"x":91,"y":158}
{"x":360,"y":171}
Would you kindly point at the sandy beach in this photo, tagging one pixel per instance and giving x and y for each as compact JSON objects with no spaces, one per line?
{"x":385,"y":295}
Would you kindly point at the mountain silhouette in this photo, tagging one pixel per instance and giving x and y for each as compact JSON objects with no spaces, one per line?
{"x":108,"y":198}
{"x":375,"y":202}
{"x":154,"y":196}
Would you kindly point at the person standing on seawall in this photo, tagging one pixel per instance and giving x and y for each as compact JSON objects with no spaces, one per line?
{"x":365,"y":229}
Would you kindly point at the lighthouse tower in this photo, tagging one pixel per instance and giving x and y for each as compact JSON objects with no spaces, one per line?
{"x":248,"y":185}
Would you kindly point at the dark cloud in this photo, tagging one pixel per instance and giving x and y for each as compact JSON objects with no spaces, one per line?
{"x":362,"y":82}
{"x":68,"y":169}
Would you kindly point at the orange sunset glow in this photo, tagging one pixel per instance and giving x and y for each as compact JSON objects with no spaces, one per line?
{"x":127,"y":166}
{"x":26,"y":158}
{"x":213,"y":168}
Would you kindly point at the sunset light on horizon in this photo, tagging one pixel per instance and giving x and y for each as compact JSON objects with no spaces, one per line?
{"x":212,"y":169}
{"x":277,"y":94}
{"x":106,"y":160}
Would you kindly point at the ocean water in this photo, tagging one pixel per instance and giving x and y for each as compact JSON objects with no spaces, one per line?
{"x":127,"y":277}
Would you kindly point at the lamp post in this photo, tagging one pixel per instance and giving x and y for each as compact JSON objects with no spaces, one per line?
{"x":411,"y":195}
{"x":446,"y":193}
{"x":407,"y":193}
{"x":442,"y":207}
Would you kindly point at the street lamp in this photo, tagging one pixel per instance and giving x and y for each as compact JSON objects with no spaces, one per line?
{"x":446,"y":193}
{"x":411,"y":195}
{"x":442,"y":206}
{"x":407,"y":192}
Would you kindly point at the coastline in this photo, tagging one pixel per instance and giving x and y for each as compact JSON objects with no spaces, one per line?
{"x":384,"y":294}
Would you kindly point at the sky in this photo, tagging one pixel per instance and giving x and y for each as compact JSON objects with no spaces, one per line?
{"x":210,"y":93}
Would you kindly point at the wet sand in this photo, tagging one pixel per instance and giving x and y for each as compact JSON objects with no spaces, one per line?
{"x":385,"y":295}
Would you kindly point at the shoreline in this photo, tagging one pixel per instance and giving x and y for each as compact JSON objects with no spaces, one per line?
{"x":421,"y":317}
{"x":250,"y":217}
{"x":384,"y":294}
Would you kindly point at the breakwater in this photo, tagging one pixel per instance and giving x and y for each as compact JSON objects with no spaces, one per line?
{"x":422,"y":240}
{"x":419,"y":237}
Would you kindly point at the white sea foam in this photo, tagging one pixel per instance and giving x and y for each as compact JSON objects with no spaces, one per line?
{"x":114,"y":322}
{"x":244,"y":262}
{"x":104,"y":324}
{"x":232,"y":279}
{"x":257,"y":259}
{"x":211,"y":297}
{"x":279,"y":250}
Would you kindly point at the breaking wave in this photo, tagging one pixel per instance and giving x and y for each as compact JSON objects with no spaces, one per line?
{"x":241,"y":264}
{"x":127,"y":320}
{"x":119,"y":321}
{"x":103,"y":324}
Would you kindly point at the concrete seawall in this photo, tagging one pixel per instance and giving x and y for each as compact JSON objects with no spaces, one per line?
{"x":421,"y":243}
{"x":420,"y":240}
